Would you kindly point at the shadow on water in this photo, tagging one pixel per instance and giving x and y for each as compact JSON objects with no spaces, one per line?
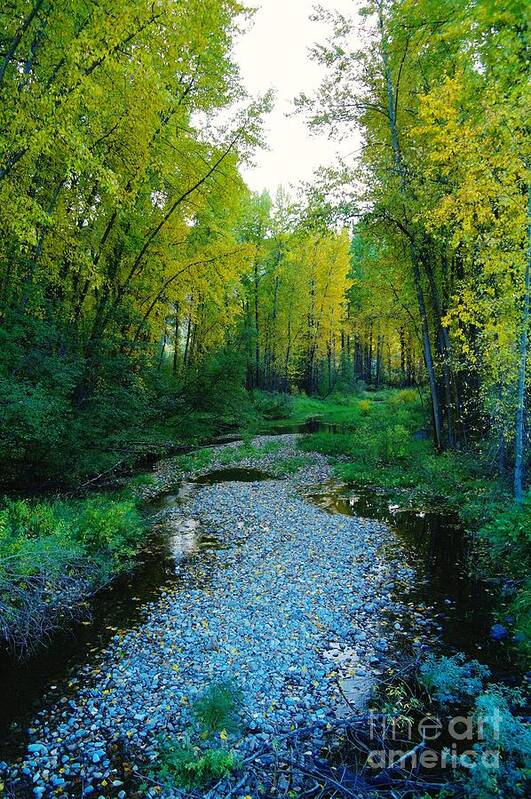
{"x":436,"y":545}
{"x":312,"y":425}
{"x":240,"y":475}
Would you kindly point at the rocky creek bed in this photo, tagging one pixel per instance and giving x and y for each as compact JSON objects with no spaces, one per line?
{"x":296,"y":605}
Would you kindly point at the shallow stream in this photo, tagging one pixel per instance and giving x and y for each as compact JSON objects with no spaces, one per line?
{"x":433,"y":542}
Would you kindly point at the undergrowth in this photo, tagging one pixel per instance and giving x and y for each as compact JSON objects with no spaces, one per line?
{"x":55,"y":553}
{"x":462,"y":731}
{"x":204,"y":754}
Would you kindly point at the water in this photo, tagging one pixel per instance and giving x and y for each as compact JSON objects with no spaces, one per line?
{"x":312,"y":425}
{"x":464,"y":606}
{"x":232,"y":475}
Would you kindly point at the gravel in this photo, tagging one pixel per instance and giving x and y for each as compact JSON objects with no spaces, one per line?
{"x":293,"y":605}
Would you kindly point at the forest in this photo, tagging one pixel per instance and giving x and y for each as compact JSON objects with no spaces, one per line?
{"x":323,"y":383}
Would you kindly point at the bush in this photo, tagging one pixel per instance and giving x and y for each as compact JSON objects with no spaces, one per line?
{"x":507,"y":538}
{"x":508,"y":535}
{"x":496,"y":764}
{"x":407,"y":396}
{"x":364,"y":407}
{"x":54,"y":554}
{"x":104,"y":527}
{"x":503,"y":753}
{"x":187,"y":767}
{"x":449,"y":679}
{"x":218,"y":388}
{"x":217,"y":709}
{"x":97,"y":526}
{"x":273,"y":405}
{"x":392,"y":443}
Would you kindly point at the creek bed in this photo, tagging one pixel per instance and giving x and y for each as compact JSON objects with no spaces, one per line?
{"x":181,"y":550}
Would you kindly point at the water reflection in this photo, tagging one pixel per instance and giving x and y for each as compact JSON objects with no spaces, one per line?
{"x":436,"y":544}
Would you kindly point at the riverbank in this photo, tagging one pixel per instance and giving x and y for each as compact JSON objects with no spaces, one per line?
{"x":385,"y":447}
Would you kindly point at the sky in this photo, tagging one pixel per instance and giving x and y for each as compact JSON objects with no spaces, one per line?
{"x":274,"y":54}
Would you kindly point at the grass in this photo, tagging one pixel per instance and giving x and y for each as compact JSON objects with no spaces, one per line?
{"x":226,"y":456}
{"x":230,"y":455}
{"x":290,"y":465}
{"x":337,"y":410}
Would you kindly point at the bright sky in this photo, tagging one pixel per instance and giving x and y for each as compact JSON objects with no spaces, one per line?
{"x":274,"y":54}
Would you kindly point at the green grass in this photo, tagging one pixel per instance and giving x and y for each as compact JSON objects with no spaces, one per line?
{"x":230,"y":455}
{"x":337,"y":409}
{"x":208,"y":456}
{"x":349,"y":409}
{"x":290,"y":465}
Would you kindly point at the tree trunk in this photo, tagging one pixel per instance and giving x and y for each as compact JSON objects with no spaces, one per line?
{"x":256,"y":327}
{"x":402,"y":358}
{"x":415,"y":259}
{"x":519,"y":446}
{"x":187,"y":345}
{"x":163,"y":347}
{"x":176,"y":341}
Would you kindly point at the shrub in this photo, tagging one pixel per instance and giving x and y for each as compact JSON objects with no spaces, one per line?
{"x":407,"y":396}
{"x":502,"y":755}
{"x":507,"y":537}
{"x":98,"y":525}
{"x":54,"y":554}
{"x":449,"y":679}
{"x":187,"y":767}
{"x":218,"y":388}
{"x":273,"y":405}
{"x":364,"y":407}
{"x":392,"y":443}
{"x":217,"y":709}
{"x":105,"y":527}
